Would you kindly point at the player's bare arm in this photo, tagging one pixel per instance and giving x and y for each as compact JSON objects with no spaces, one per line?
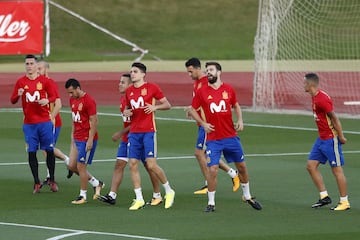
{"x":57,"y":106}
{"x":239,"y":125}
{"x":207,"y":126}
{"x":164,"y":105}
{"x":93,"y":119}
{"x":337,"y":126}
{"x":118,"y":135}
{"x":128,"y":112}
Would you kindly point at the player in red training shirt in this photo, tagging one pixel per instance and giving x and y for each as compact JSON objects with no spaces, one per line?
{"x":122,"y":153}
{"x":141,"y":103}
{"x":216,"y":100}
{"x":43,"y":68}
{"x":36,"y":92}
{"x":193,"y":67}
{"x":83,"y":138}
{"x":327,"y":146}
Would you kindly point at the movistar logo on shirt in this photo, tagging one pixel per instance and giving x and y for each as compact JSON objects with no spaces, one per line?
{"x":137,"y":104}
{"x":76,"y":117}
{"x":221,"y":107}
{"x":32,"y":98}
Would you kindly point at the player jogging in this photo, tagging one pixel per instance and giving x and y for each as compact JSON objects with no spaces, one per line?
{"x":36,"y":92}
{"x":216,"y":100}
{"x":122,"y":153}
{"x":43,"y":68}
{"x":327,"y":146}
{"x":193,"y":67}
{"x":83,"y":138}
{"x":141,"y":103}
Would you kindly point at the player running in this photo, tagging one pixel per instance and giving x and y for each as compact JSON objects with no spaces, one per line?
{"x":216,"y":100}
{"x":327,"y":146}
{"x":193,"y":67}
{"x":43,"y":68}
{"x":36,"y":92}
{"x":83,"y":138}
{"x":141,"y":107}
{"x":122,"y":154}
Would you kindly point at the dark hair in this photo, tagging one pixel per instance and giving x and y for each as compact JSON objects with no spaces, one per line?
{"x":126,"y":75}
{"x":72,"y":82}
{"x":31,"y":56}
{"x":216,"y":64}
{"x":140,"y":66}
{"x":195,"y":62}
{"x":312,"y":77}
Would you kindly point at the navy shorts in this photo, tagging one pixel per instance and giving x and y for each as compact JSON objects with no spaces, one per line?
{"x":39,"y":135}
{"x":327,"y":150}
{"x":230,"y":147}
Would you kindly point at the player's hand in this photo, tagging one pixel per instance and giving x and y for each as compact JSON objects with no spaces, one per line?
{"x":44,"y":102}
{"x":342,"y":139}
{"x":149,"y":108}
{"x":128,"y":113}
{"x":89,"y":145}
{"x":239,"y":126}
{"x":116,"y":136}
{"x":208,"y":127}
{"x":187,"y":112}
{"x":20,"y":91}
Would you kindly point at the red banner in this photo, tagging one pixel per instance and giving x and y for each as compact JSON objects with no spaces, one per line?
{"x":21,"y":27}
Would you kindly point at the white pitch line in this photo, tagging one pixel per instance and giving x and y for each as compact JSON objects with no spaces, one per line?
{"x":66,"y":235}
{"x":78,"y":232}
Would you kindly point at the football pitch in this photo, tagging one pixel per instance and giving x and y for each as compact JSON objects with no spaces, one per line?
{"x":276,"y":147}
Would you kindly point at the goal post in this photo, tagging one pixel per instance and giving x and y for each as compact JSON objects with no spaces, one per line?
{"x":295,"y":37}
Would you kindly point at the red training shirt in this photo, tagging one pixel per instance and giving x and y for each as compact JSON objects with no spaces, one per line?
{"x":197,"y":85}
{"x":321,"y":105}
{"x":217,"y":105}
{"x":81,"y":110}
{"x":137,"y":98}
{"x":34,"y":90}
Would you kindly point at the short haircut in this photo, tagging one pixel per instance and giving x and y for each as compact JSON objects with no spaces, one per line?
{"x":313,"y":77}
{"x":46,"y":64}
{"x":126,"y":75}
{"x":72,"y":82}
{"x":195,"y":62}
{"x":216,"y":64}
{"x":140,"y":66}
{"x":31,"y":56}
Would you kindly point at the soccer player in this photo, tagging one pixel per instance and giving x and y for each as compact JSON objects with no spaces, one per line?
{"x":36,"y":92}
{"x":84,"y":138}
{"x":43,"y":68}
{"x":141,"y":106}
{"x":216,"y":100}
{"x":327,"y":146}
{"x":193,"y":67}
{"x":122,"y":153}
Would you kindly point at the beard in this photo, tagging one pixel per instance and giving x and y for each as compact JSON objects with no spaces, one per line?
{"x":212,"y":79}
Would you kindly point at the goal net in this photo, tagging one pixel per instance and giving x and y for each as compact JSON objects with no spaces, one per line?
{"x":295,"y":37}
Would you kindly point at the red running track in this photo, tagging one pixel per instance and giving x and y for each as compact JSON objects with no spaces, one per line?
{"x":103,"y":86}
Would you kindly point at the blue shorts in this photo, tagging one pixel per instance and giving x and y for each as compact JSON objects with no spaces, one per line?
{"x":230,"y":147}
{"x":201,"y":139}
{"x":39,"y":135}
{"x":56,"y":134}
{"x":327,"y":150}
{"x":81,"y":147}
{"x":142,"y":145}
{"x":122,"y":153}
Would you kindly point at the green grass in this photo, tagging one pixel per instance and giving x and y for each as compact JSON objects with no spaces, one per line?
{"x":279,"y":182}
{"x":173,"y":30}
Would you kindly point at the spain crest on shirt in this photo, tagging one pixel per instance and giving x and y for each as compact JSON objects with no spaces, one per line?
{"x":143,"y":92}
{"x":225,"y":95}
{"x":39,"y":86}
{"x":80,"y":107}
